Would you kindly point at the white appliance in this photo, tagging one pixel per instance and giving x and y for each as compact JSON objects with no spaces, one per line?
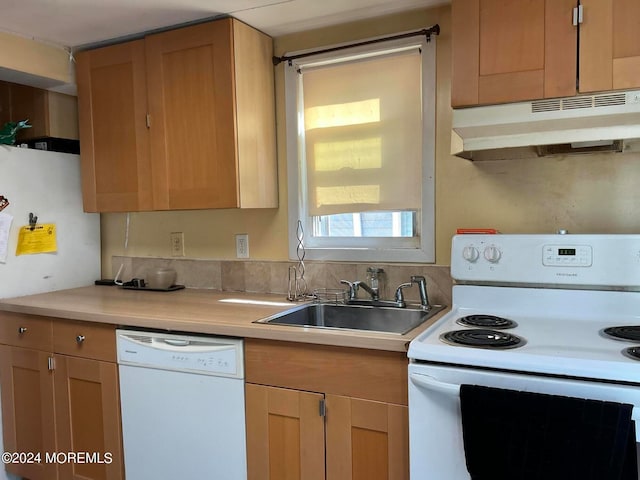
{"x":182,"y":403}
{"x":561,"y":292}
{"x":48,"y":185}
{"x":607,"y":122}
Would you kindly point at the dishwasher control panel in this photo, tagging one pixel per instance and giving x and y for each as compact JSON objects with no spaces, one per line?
{"x":205,"y":355}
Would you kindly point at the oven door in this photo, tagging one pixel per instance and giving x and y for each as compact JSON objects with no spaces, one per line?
{"x":435,"y":427}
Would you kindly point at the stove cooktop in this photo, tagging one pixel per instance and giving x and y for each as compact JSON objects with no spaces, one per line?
{"x":556,"y":331}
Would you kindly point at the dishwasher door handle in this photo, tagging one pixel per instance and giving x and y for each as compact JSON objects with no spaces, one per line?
{"x":175,"y":342}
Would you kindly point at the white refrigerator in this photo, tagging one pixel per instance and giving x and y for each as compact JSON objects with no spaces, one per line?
{"x":46,"y":184}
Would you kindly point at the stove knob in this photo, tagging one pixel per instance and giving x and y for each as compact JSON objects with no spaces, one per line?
{"x":492,"y":254}
{"x":470,"y":254}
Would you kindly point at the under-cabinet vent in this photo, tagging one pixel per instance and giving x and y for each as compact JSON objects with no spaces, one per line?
{"x":573,"y":103}
{"x":551,"y":105}
{"x":603,"y":122}
{"x":609,"y":100}
{"x":577,"y":102}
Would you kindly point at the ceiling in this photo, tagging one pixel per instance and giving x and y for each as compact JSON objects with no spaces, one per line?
{"x":74,"y":23}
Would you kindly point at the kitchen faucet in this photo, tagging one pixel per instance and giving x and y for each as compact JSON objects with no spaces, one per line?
{"x":422,"y":286}
{"x":371,"y":291}
{"x":373,"y":274}
{"x":355,"y":286}
{"x":398,"y":300}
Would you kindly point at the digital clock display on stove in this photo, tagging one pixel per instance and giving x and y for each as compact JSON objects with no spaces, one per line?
{"x":567,"y":251}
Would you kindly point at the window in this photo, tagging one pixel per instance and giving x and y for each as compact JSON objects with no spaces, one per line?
{"x":361,"y":146}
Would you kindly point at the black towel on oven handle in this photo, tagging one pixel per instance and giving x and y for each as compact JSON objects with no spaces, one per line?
{"x":530,"y":436}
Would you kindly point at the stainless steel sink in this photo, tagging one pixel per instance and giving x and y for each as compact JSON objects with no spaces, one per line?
{"x":354,"y":317}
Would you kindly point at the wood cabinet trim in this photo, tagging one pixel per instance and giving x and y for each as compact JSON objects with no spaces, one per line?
{"x":353,"y":372}
{"x":38,"y":334}
{"x":508,"y":87}
{"x":255,"y":110}
{"x":99,"y":341}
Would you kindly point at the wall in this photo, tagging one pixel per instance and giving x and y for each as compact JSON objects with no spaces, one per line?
{"x":27,"y":61}
{"x":582,"y":194}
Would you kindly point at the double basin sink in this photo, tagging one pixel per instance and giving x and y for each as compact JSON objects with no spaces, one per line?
{"x":354,"y":317}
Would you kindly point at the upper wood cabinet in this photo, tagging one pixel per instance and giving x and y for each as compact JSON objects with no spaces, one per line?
{"x":112,"y":106}
{"x":528,"y":49}
{"x":183,"y":119}
{"x":609,"y":45}
{"x":50,"y":114}
{"x":512,"y":51}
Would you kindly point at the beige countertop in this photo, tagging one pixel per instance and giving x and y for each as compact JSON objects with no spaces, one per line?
{"x":198,"y":311}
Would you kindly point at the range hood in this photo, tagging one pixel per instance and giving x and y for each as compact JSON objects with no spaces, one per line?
{"x":608,"y":122}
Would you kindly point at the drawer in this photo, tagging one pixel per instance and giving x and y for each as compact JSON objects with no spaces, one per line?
{"x":84,"y":339}
{"x":28,"y":331}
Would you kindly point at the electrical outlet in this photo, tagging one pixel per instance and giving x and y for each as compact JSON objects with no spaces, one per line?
{"x":177,"y":244}
{"x":242,"y":245}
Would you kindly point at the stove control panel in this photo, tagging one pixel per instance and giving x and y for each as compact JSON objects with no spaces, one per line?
{"x":567,"y":255}
{"x":571,"y":259}
{"x":492,"y":254}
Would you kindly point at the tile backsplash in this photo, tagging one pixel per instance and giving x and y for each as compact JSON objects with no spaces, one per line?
{"x":273,"y":276}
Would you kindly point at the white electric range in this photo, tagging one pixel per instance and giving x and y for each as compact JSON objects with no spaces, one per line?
{"x":530,"y":313}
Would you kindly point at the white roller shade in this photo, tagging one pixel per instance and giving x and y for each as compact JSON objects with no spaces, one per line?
{"x":363,"y":137}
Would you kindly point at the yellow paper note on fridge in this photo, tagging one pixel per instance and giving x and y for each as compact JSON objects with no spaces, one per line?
{"x":42,"y":239}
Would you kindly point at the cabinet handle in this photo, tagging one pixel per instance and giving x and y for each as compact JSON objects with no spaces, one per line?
{"x":578,"y":15}
{"x":22,"y":330}
{"x":80,"y":338}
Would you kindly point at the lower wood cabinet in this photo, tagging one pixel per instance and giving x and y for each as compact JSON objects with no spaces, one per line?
{"x":60,"y":399}
{"x":88,"y":417}
{"x":288,"y":423}
{"x":305,"y":422}
{"x":366,"y":439}
{"x":28,"y":414}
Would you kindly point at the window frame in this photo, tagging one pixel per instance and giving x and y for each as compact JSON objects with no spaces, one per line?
{"x":390,"y":249}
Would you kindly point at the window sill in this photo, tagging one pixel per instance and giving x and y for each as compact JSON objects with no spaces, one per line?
{"x":366,"y":255}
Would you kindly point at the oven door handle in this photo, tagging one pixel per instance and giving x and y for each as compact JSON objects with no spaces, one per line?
{"x":430,"y":383}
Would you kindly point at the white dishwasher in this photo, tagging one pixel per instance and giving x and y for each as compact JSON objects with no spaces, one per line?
{"x":182,"y":402}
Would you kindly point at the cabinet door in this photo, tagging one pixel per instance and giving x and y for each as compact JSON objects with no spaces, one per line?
{"x":193,"y":129}
{"x":88,"y":417}
{"x":609,"y":45}
{"x":28,"y":410}
{"x":112,"y":106}
{"x":285,"y":434}
{"x":30,"y":103}
{"x":5,"y":103}
{"x":366,"y":440}
{"x":512,"y":51}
